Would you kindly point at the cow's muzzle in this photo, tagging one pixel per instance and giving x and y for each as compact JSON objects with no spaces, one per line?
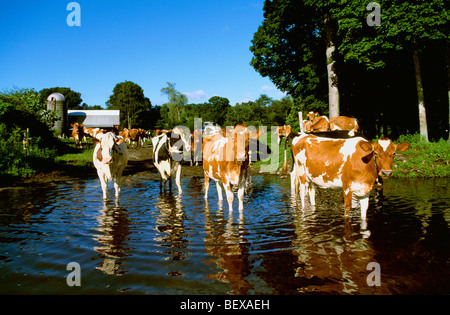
{"x":385,"y":174}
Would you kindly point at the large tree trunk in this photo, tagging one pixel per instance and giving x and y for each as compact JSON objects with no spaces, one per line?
{"x":447,"y":58}
{"x":420,"y":97}
{"x":333,"y":92}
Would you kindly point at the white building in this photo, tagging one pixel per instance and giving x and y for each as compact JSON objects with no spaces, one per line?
{"x":95,"y":118}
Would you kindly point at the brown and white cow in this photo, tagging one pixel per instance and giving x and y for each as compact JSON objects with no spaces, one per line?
{"x":226,"y":159}
{"x":94,"y":132}
{"x":284,"y":132}
{"x":78,"y":134}
{"x":316,"y":123}
{"x":352,"y":164}
{"x":110,"y":158}
{"x":344,"y":123}
{"x":130,"y":135}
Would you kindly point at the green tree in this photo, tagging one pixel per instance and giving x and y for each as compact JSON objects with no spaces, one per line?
{"x":405,"y":26}
{"x":85,"y":106}
{"x":129,"y":98}
{"x":218,"y":108}
{"x":176,"y":104}
{"x":279,"y":110}
{"x":295,"y":48}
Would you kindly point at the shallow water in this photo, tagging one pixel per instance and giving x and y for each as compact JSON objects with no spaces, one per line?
{"x":161,"y":243}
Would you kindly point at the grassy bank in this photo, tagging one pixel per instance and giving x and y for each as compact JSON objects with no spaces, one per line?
{"x":82,"y":158}
{"x":423,"y":159}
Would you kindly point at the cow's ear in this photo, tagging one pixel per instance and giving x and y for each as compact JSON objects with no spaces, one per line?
{"x":366,"y":146}
{"x":95,"y":140}
{"x":71,"y":125}
{"x":402,"y":147}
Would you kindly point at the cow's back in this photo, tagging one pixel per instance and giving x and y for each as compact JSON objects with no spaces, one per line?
{"x":344,"y":123}
{"x":213,"y":155}
{"x":331,"y":163}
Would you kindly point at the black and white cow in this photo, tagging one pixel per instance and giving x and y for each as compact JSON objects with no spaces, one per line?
{"x":168,"y":152}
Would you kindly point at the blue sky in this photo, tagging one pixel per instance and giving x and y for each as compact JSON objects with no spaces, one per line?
{"x":202,"y":46}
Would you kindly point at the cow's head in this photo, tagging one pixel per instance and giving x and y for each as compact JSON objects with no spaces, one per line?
{"x":311,"y":115}
{"x":240,"y":136}
{"x":177,"y":139}
{"x":244,"y":140}
{"x":108,"y":143}
{"x":383,"y":152}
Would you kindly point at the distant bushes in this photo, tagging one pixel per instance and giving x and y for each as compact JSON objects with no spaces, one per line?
{"x":15,"y":161}
{"x":20,"y":110}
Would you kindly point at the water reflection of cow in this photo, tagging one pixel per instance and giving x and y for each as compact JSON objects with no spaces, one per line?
{"x":113,"y":233}
{"x":330,"y":261}
{"x":170,"y":227}
{"x":228,"y":249}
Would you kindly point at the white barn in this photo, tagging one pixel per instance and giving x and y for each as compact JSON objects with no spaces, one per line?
{"x":95,"y":118}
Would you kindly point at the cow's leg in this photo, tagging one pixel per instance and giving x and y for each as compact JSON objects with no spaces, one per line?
{"x":219,"y":191}
{"x":178,"y":178}
{"x":160,"y":182}
{"x":117,"y":186}
{"x":241,"y":190}
{"x":312,"y":194}
{"x":206,"y":186}
{"x":294,"y":182}
{"x":364,"y":202}
{"x":302,"y":194}
{"x":347,"y":200}
{"x":117,"y":181}
{"x":104,"y":184}
{"x":230,"y":196}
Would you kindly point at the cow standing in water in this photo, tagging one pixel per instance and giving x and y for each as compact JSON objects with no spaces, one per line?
{"x":167,"y":155}
{"x":110,"y":158}
{"x":226,"y":159}
{"x":351,"y":164}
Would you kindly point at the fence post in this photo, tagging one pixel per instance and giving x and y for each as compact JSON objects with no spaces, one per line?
{"x":300,"y":120}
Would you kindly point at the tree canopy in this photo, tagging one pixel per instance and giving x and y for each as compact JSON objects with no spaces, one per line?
{"x":289,"y":48}
{"x":386,"y":74}
{"x":135,"y":108}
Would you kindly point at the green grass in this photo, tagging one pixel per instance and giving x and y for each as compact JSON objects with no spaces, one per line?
{"x":83,"y":158}
{"x":257,"y":165}
{"x":423,"y":159}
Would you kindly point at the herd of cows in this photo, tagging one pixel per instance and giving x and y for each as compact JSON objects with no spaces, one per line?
{"x":326,"y":154}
